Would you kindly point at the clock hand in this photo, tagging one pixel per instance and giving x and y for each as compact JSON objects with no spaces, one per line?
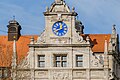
{"x":59,"y":28}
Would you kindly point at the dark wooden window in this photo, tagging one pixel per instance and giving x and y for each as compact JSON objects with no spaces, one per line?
{"x":4,"y":73}
{"x":41,"y":60}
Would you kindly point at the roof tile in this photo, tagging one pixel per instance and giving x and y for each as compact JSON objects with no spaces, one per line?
{"x":6,"y":49}
{"x":98,"y":41}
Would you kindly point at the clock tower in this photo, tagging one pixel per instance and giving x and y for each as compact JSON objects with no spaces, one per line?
{"x":58,"y":47}
{"x":60,"y":24}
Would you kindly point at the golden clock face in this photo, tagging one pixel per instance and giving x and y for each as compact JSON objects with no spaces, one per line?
{"x":59,"y":28}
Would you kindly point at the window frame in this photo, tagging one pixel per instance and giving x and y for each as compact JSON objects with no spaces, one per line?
{"x":41,"y":61}
{"x":77,"y":60}
{"x":4,"y":72}
{"x":61,"y":61}
{"x":12,"y":29}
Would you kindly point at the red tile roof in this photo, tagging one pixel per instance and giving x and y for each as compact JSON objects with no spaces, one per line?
{"x":6,"y":47}
{"x":98,"y":41}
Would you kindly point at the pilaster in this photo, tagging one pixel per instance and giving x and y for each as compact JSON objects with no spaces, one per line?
{"x":14,"y":62}
{"x":32,"y":59}
{"x":88,"y":74}
{"x":106,"y":62}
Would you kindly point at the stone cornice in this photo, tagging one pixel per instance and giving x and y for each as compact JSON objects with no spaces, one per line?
{"x":63,"y":13}
{"x":59,"y":45}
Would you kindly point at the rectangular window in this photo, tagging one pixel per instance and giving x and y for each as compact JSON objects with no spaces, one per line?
{"x":41,"y":60}
{"x":60,"y":60}
{"x":79,"y":60}
{"x":4,"y":72}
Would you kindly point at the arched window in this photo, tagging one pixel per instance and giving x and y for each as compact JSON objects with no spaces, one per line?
{"x":12,"y":29}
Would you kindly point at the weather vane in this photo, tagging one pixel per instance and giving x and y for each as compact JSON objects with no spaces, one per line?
{"x":13,"y":17}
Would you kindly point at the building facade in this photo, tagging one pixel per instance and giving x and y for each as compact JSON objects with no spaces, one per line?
{"x":64,"y":52}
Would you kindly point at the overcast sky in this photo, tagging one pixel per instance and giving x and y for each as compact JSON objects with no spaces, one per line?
{"x":98,"y":16}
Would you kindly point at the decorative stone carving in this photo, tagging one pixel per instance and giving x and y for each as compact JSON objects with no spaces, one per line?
{"x":23,"y":74}
{"x":64,"y":40}
{"x":79,"y":74}
{"x":41,"y":38}
{"x":24,"y":64}
{"x":41,"y":74}
{"x":97,"y":73}
{"x":60,"y":75}
{"x":59,"y":17}
{"x":54,"y":18}
{"x":79,"y":38}
{"x":101,"y":60}
{"x":97,"y":61}
{"x":94,"y":63}
{"x":56,"y":7}
{"x":111,"y":75}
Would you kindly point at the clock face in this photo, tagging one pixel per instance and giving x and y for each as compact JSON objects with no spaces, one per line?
{"x":59,"y":28}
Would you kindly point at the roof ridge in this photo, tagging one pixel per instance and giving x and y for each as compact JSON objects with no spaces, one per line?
{"x":96,"y":34}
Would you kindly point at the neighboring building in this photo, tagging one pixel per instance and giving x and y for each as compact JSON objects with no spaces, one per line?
{"x":61,"y":52}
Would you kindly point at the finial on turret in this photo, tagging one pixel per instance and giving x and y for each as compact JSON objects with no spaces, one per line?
{"x":113,"y":29}
{"x":32,"y":40}
{"x":13,"y":17}
{"x":13,"y":20}
{"x":73,"y":9}
{"x":87,"y":38}
{"x":58,"y":1}
{"x":47,"y":9}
